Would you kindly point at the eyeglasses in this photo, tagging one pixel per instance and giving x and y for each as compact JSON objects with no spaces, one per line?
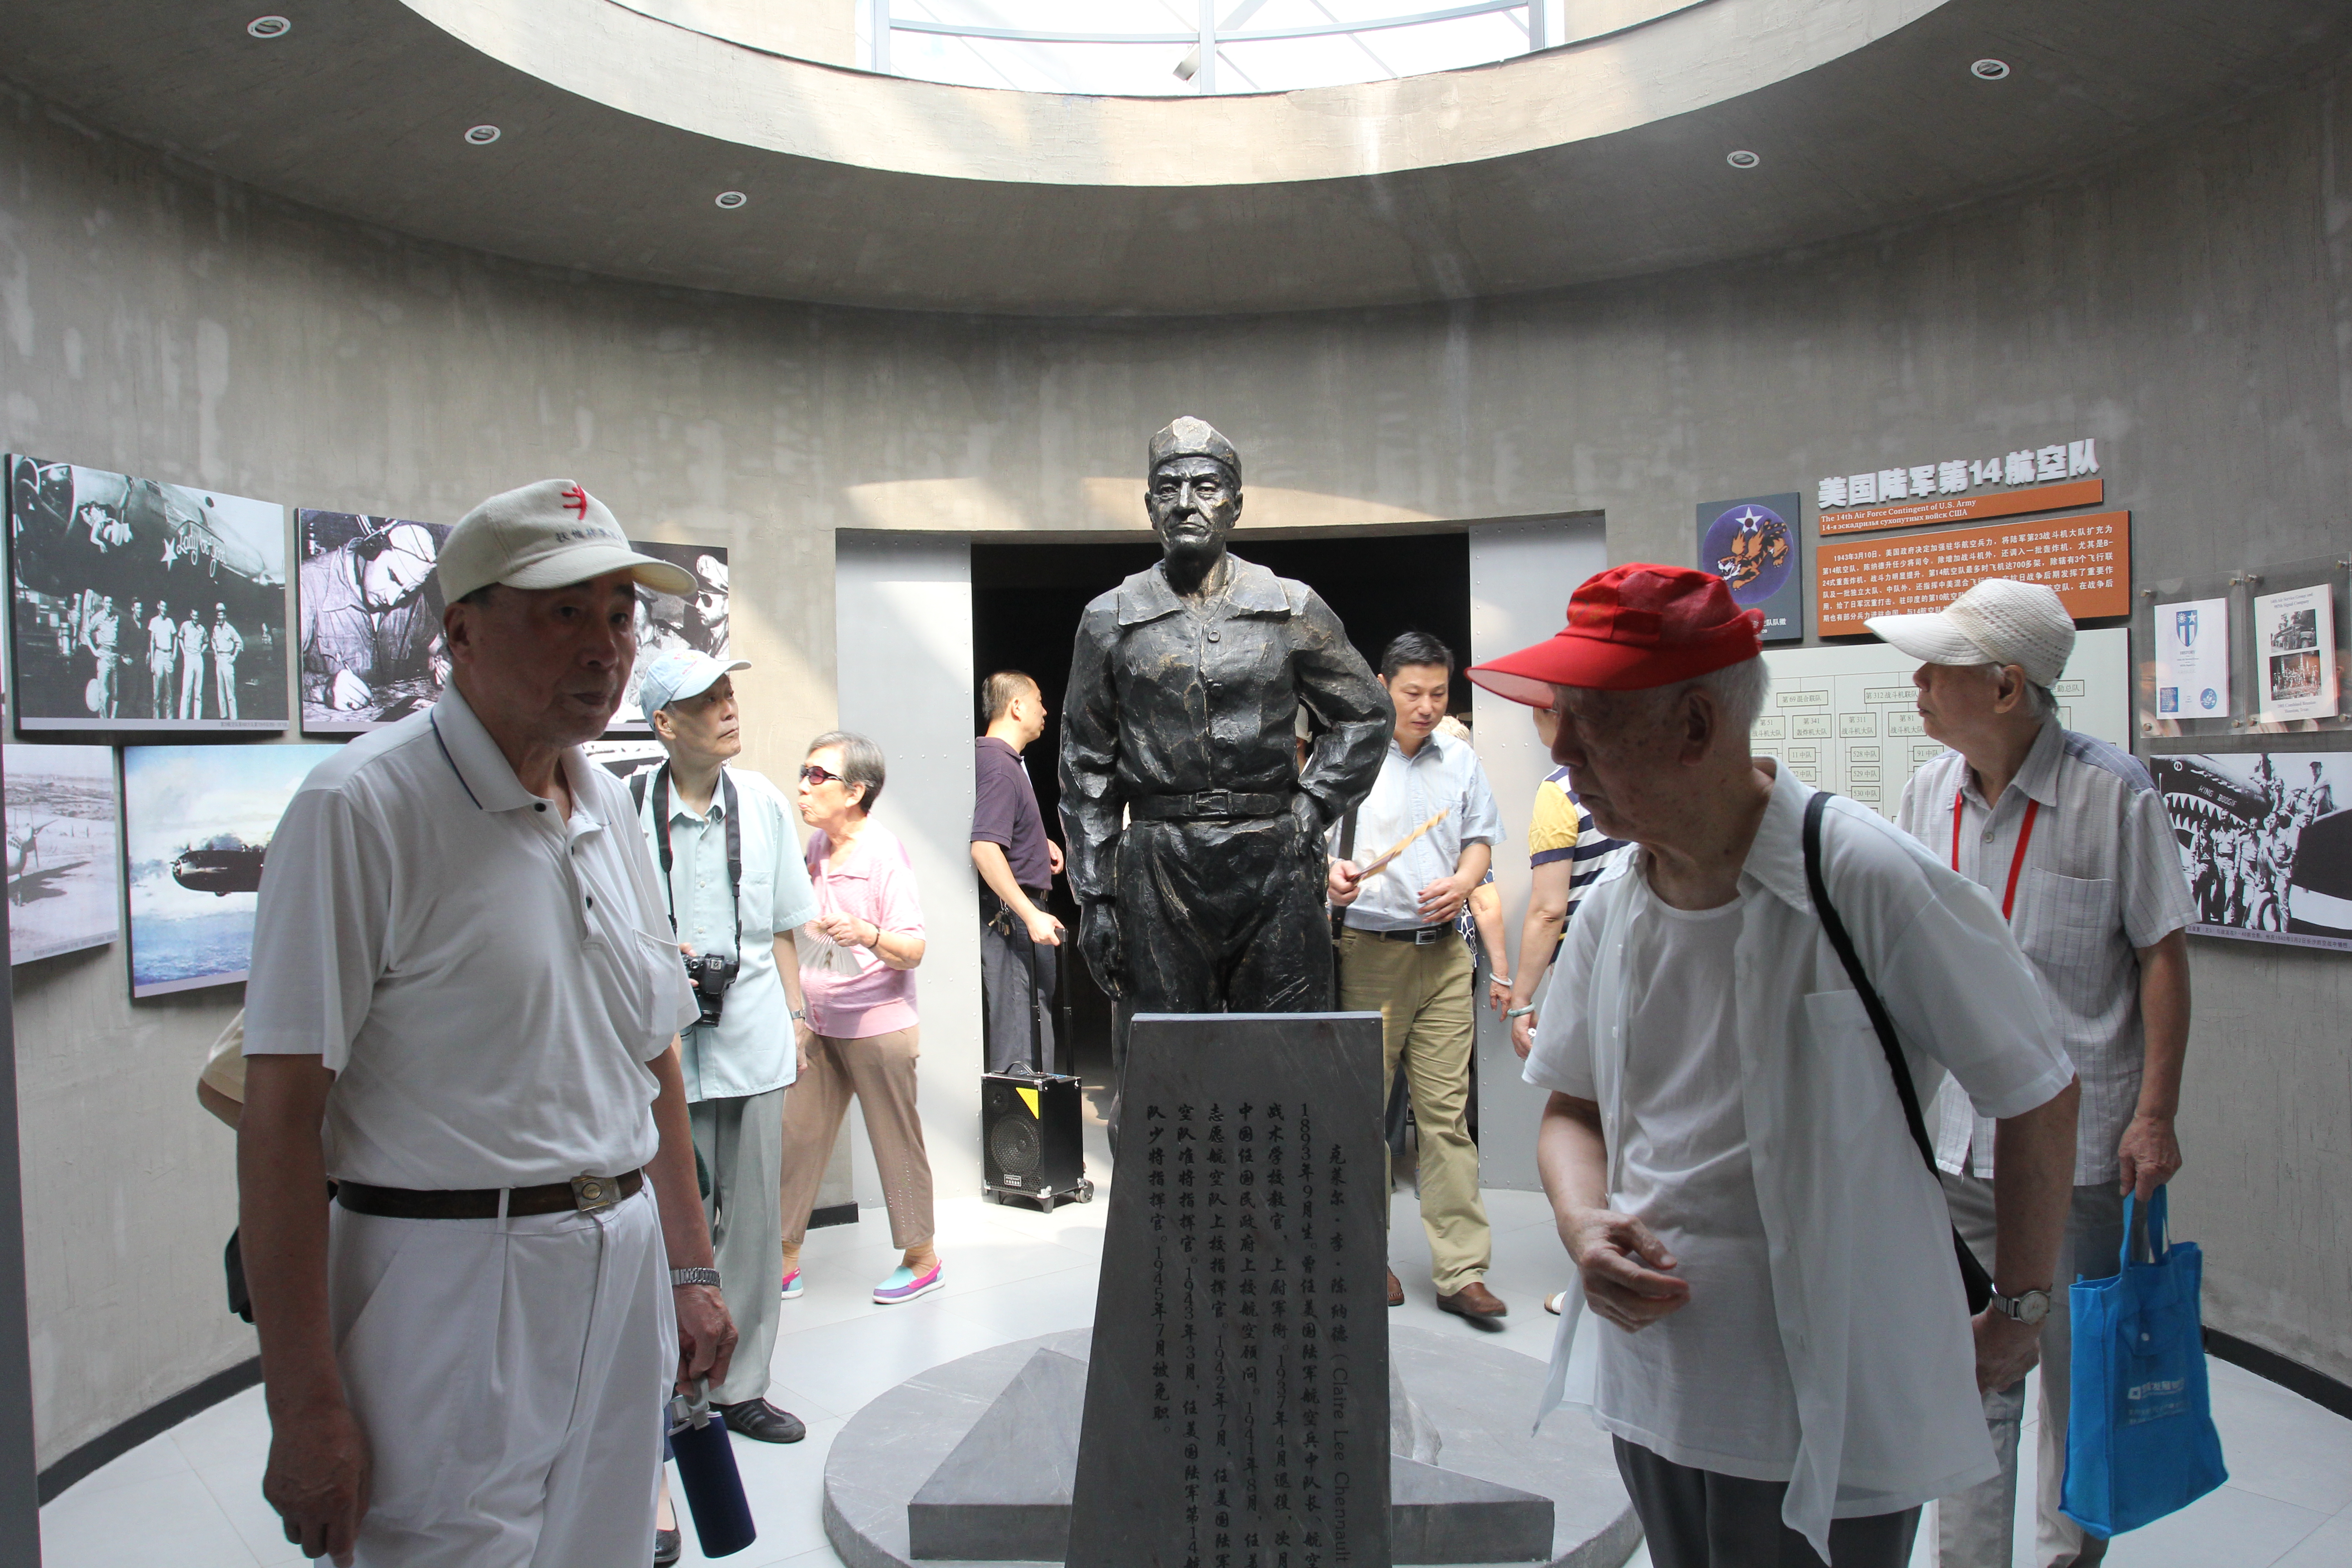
{"x":812,"y":773}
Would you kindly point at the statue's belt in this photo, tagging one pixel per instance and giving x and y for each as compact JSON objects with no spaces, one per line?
{"x":1208,"y":805}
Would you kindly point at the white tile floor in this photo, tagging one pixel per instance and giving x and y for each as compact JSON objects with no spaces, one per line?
{"x":191,"y":1498}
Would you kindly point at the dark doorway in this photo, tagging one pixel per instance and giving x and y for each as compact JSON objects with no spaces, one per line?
{"x":1026,"y":601}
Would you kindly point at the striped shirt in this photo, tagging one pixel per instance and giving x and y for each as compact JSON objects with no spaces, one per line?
{"x":2099,"y":878}
{"x":1561,"y":829}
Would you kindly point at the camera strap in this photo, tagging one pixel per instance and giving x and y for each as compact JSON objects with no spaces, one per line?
{"x":734,"y":847}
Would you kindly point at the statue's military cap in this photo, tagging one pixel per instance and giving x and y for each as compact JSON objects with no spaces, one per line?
{"x":1191,"y":437}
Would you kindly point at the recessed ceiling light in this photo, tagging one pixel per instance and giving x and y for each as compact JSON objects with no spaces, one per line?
{"x":1989,"y":70}
{"x":730,"y":200}
{"x":1742,"y":159}
{"x":482,"y":135}
{"x":270,"y":27}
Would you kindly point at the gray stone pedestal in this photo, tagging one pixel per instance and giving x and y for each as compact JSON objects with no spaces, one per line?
{"x":976,"y":1457}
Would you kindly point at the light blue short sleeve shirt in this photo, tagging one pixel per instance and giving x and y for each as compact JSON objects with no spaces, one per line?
{"x":750,"y":1052}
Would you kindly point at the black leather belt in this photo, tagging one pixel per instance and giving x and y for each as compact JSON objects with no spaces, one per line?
{"x":586,"y":1195}
{"x":1209,"y":805}
{"x":1420,"y":936}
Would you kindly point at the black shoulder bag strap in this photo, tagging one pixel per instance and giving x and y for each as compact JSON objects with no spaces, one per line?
{"x":1974,"y":1280}
{"x":1347,"y":852}
{"x":734,"y":843}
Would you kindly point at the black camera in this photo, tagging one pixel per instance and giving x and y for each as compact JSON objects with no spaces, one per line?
{"x":711,"y":975}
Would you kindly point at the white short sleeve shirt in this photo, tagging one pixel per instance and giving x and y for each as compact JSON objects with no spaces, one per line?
{"x":1861,"y":1281}
{"x":486,"y":979}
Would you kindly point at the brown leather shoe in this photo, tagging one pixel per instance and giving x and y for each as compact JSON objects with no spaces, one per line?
{"x":1473,"y":1301}
{"x":1396,"y":1290}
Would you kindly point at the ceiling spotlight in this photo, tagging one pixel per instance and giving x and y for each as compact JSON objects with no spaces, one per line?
{"x":1989,"y":70}
{"x":270,"y":27}
{"x":729,"y":200}
{"x":482,"y":135}
{"x":1742,"y":159}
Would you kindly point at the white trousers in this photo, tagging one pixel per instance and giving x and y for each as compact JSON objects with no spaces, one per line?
{"x":510,"y":1376}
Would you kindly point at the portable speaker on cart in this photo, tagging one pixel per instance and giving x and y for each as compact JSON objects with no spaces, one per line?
{"x":1032,"y":1122}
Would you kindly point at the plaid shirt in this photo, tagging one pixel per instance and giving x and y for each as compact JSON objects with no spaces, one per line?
{"x":2099,"y":878}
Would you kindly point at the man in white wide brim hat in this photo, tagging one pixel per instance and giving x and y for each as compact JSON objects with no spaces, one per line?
{"x":2069,"y":836}
{"x":458,"y":975}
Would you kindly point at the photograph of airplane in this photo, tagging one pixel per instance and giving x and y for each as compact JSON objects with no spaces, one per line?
{"x":197,"y":822}
{"x":140,"y":606}
{"x":61,"y":847}
{"x":2265,"y":839}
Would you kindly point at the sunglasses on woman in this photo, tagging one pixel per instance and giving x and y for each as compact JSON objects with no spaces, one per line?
{"x":812,"y":773}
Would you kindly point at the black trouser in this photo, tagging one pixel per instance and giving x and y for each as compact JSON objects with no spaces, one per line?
{"x":1220,"y":917}
{"x":1016,"y":985}
{"x":1699,"y":1519}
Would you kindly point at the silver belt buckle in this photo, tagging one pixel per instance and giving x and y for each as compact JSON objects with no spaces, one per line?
{"x":593,"y":1195}
{"x":1428,"y":935}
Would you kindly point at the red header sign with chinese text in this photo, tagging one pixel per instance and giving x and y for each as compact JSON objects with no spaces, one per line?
{"x":1964,"y":508}
{"x":2088,"y":559}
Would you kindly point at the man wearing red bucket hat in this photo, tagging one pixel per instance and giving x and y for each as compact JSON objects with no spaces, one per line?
{"x":1784,"y":1352}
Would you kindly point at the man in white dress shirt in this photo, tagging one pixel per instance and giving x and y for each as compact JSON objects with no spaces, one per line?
{"x":463,"y":1010}
{"x":1785,"y":1358}
{"x":2070,"y":834}
{"x":1401,"y":956}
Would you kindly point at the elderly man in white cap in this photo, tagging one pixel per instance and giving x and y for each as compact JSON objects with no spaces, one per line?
{"x":736,"y":888}
{"x":2069,"y":836}
{"x":462,"y":1011}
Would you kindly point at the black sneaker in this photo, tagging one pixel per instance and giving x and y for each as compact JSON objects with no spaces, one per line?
{"x":762,"y":1421}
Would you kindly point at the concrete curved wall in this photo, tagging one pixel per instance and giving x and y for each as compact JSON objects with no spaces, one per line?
{"x":2192,"y":309}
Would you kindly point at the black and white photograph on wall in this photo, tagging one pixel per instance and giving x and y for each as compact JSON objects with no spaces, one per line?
{"x":625,"y":760}
{"x":2266,"y":841}
{"x":197,"y":824}
{"x":62,"y":850}
{"x":669,"y":624}
{"x":140,"y":606}
{"x":367,"y":612}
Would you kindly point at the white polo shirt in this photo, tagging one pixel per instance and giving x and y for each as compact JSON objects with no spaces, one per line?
{"x":486,"y":979}
{"x":1859,"y":1270}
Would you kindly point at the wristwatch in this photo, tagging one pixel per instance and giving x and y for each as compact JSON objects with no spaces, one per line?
{"x":2029,"y":1308}
{"x":799,"y":1014}
{"x":680,"y":1277}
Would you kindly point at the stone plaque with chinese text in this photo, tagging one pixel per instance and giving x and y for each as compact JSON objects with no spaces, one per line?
{"x":1236,"y":1411}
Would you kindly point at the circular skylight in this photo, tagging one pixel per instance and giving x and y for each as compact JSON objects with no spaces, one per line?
{"x":1155,"y":47}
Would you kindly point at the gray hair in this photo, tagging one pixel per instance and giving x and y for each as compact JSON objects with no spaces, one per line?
{"x":2041,"y":702}
{"x":1738,"y":690}
{"x":861,"y":763}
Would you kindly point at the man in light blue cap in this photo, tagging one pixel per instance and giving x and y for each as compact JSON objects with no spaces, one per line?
{"x":735,"y":890}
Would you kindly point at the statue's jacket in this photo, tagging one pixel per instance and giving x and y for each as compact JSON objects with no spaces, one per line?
{"x":1167,"y":700}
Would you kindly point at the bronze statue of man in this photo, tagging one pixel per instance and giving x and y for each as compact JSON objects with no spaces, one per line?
{"x":1195,"y":838}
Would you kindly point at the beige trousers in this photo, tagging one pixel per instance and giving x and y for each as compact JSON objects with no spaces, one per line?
{"x":1973,"y":1529}
{"x":1422,"y":994}
{"x":879,"y":1069}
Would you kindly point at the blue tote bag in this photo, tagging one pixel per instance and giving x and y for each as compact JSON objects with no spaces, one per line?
{"x":2140,"y":1442}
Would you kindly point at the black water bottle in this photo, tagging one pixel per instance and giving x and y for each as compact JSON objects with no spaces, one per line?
{"x":706,"y":1466}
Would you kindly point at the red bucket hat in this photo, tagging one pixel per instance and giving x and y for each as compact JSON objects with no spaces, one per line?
{"x":1630,"y":627}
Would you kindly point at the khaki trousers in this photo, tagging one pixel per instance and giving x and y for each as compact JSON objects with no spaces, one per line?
{"x":1422,"y":994}
{"x":1973,"y":1529}
{"x":879,"y":1069}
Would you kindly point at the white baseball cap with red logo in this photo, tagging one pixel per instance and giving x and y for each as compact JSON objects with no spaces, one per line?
{"x":547,"y":535}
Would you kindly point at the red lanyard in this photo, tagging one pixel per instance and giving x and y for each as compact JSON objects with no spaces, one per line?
{"x":2017,"y":862}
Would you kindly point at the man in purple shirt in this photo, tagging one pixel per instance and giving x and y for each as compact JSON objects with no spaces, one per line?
{"x":1017,"y":864}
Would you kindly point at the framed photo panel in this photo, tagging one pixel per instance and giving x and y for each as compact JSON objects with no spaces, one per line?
{"x":63,"y":849}
{"x":196,"y":826}
{"x":143,"y":606}
{"x":367,"y":608}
